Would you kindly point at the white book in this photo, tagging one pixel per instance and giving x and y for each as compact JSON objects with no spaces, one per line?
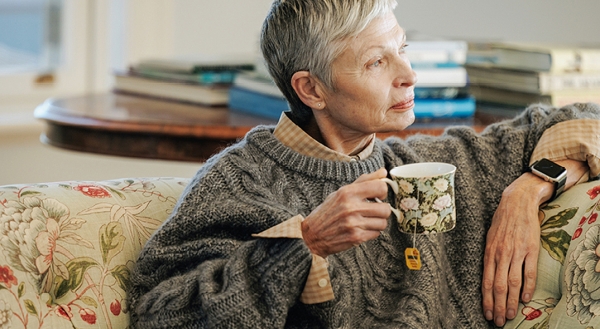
{"x":424,"y":48}
{"x":185,"y":92}
{"x":547,"y":57}
{"x":441,"y":77}
{"x":539,"y":82}
{"x":258,"y":82}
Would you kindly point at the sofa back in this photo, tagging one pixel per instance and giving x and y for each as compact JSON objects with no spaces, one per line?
{"x":67,"y":248}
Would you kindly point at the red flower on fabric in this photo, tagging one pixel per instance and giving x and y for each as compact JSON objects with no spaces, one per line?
{"x":577,"y":233}
{"x":7,"y":277}
{"x":582,"y":221}
{"x":87,"y":315}
{"x":594,"y":192}
{"x":593,"y":218}
{"x":531,"y":313}
{"x":93,"y":191}
{"x":64,"y":311}
{"x":115,"y":307}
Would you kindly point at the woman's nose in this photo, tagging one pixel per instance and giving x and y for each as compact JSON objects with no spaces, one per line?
{"x":405,"y":76}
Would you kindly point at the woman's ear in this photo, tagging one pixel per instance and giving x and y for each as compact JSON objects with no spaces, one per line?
{"x":308,"y":89}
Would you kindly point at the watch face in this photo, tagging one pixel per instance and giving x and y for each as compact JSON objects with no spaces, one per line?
{"x":549,"y":168}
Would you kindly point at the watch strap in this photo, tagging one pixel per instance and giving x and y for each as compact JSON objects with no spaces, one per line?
{"x":558,"y":188}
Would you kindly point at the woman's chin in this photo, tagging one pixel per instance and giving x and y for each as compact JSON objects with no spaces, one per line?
{"x":402,"y":120}
{"x":398,"y":123}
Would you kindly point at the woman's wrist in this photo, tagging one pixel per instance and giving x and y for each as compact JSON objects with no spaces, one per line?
{"x":531,"y":186}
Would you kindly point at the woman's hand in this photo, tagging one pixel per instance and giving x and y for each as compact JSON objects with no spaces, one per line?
{"x":347,"y":218}
{"x":511,"y":253}
{"x":513,"y":243}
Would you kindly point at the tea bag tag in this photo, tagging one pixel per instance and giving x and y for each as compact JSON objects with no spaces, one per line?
{"x":413,"y":258}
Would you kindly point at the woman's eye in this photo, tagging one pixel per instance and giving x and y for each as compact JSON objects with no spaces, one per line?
{"x":376,"y":63}
{"x":403,"y":48}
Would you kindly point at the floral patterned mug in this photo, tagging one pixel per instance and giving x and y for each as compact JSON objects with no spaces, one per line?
{"x":424,"y":197}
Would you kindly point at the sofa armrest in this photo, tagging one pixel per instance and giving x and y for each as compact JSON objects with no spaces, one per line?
{"x":68,"y":248}
{"x":568,"y":281}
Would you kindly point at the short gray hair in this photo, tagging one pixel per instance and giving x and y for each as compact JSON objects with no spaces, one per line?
{"x":308,"y":35}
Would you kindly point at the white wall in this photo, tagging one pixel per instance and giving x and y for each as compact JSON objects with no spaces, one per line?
{"x":203,"y":26}
{"x":576,"y":21}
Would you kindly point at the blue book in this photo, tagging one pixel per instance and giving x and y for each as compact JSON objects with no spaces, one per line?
{"x":203,"y":78}
{"x":444,"y":108}
{"x":256,"y":103}
{"x":434,"y":65}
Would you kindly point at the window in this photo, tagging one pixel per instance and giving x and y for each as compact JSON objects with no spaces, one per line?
{"x":29,"y":35}
{"x":44,"y":50}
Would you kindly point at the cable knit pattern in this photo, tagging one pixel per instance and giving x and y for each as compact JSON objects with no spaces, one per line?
{"x":203,"y":269}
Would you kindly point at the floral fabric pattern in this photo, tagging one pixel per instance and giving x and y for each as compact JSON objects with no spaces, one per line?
{"x":569,"y":263}
{"x":68,"y":249}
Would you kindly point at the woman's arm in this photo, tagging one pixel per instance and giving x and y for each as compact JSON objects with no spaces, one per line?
{"x":202,"y":267}
{"x":510,"y":260}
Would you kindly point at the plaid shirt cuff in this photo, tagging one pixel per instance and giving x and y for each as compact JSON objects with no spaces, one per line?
{"x":317,"y":288}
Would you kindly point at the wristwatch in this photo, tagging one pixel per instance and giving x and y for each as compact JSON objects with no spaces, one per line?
{"x":551,"y":172}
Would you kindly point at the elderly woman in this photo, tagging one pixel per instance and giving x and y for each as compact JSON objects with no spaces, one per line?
{"x":278,"y":231}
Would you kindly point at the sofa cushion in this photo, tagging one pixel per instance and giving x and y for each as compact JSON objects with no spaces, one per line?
{"x":67,"y":248}
{"x":567,"y":293}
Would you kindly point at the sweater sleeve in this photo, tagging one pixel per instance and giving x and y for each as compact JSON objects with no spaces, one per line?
{"x":203,"y":268}
{"x":489,"y":161}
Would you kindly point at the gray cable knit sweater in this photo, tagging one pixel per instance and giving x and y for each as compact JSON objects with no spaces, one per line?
{"x":202,"y":268}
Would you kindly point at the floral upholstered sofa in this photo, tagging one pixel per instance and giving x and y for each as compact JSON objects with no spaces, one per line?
{"x":67,"y":250}
{"x":567,"y":293}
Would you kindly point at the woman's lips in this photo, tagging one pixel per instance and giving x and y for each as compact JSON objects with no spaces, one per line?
{"x":406,"y":105}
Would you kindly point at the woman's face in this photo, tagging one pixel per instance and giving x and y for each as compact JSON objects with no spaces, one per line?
{"x":374,"y":83}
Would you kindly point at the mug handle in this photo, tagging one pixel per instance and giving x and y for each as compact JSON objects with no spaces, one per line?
{"x":394,"y":187}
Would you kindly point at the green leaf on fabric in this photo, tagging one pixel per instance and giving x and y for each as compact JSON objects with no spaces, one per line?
{"x":559,"y":220}
{"x":111,"y":241}
{"x":550,"y":206}
{"x":123,"y":276}
{"x":121,"y":195}
{"x":89,"y":301}
{"x":30,"y":307}
{"x":21,"y":289}
{"x":26,"y":193}
{"x":556,"y":243}
{"x":61,"y":288}
{"x":77,"y":268}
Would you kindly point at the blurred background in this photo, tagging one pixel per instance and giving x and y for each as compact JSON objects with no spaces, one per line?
{"x":61,"y":48}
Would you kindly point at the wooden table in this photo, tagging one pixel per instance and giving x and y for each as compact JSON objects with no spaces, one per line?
{"x":123,"y":125}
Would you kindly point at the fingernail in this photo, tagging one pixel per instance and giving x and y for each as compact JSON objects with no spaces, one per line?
{"x":510,"y":314}
{"x":499,"y":321}
{"x":526,"y":298}
{"x":489,"y":315}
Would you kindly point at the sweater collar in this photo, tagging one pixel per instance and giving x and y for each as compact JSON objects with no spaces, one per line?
{"x":263,"y":138}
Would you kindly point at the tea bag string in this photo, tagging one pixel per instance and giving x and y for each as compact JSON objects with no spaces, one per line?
{"x":414,"y":245}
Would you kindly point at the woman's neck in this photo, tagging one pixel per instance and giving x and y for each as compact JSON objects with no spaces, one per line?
{"x":326,"y":136}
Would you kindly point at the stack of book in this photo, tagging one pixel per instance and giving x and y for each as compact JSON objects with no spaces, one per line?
{"x":255,"y":92}
{"x":441,"y":89}
{"x":524,"y":74}
{"x":203,"y":81}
